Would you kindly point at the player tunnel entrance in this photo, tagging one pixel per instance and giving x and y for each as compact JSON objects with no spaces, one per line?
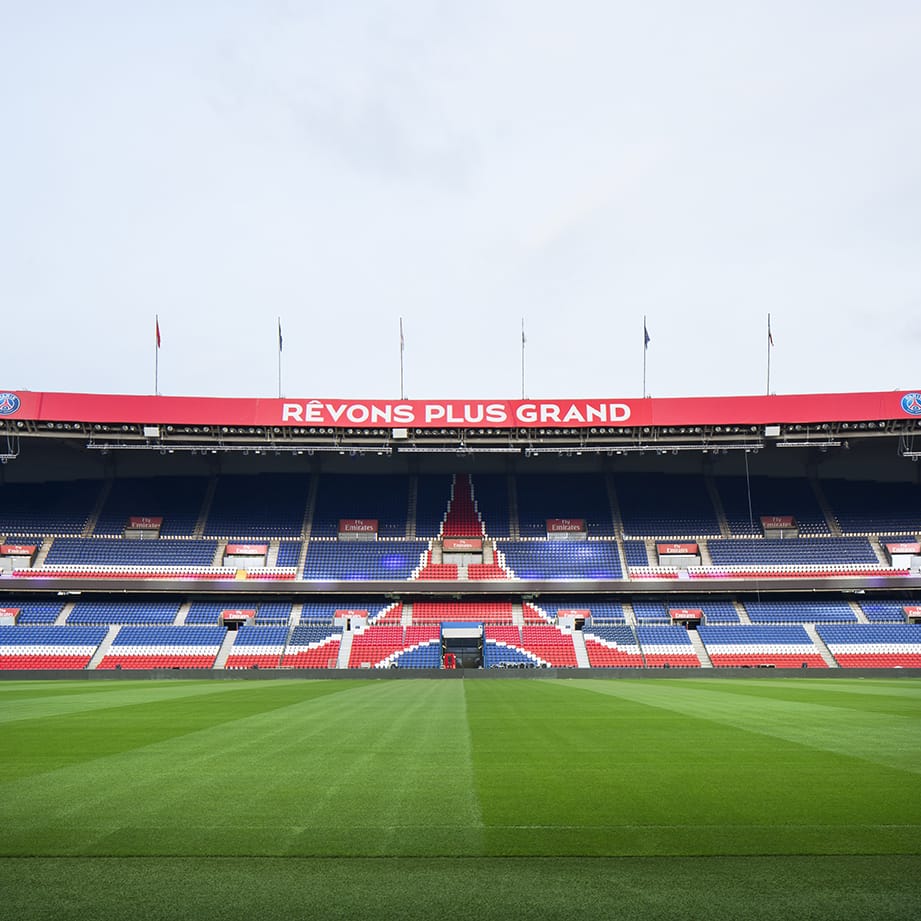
{"x":462,"y":645}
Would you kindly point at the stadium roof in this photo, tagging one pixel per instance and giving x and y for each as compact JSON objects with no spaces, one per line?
{"x":691,"y":423}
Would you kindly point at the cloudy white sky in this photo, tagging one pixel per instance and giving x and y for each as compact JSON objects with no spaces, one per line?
{"x":462,"y":165}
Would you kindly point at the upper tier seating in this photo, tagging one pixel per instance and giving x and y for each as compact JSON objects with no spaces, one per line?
{"x":48,"y":646}
{"x":563,"y":559}
{"x":770,"y":496}
{"x":871,"y":507}
{"x":818,"y":611}
{"x":360,"y":560}
{"x":177,"y":500}
{"x":381,"y":497}
{"x":543,"y":496}
{"x":808,"y":551}
{"x":258,"y":506}
{"x":491,"y":493}
{"x":32,"y":611}
{"x":433,"y":492}
{"x":289,"y":552}
{"x":888,"y":611}
{"x":635,"y":553}
{"x":47,"y":508}
{"x":123,"y":612}
{"x":462,"y":519}
{"x":653,"y":505}
{"x":114,"y":551}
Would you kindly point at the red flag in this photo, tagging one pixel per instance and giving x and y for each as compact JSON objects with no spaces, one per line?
{"x":158,"y":332}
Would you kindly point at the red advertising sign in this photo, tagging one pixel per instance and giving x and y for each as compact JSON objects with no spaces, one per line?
{"x":350,"y":612}
{"x":774,"y":522}
{"x":246,"y":550}
{"x":358,"y":526}
{"x":17,"y":549}
{"x":238,"y":613}
{"x":462,"y":543}
{"x":9,"y":612}
{"x":688,"y":549}
{"x":912,"y":610}
{"x":565,"y":525}
{"x":906,"y":548}
{"x":145,"y":522}
{"x":685,"y":613}
{"x":573,"y":612}
{"x":681,"y":411}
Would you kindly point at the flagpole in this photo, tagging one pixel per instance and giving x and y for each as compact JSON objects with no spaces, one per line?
{"x":770,"y":342}
{"x":279,"y":358}
{"x":523,"y":341}
{"x":402,"y":349}
{"x":645,"y":349}
{"x":157,"y":355}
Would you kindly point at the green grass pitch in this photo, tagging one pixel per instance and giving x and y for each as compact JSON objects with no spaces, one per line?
{"x":569,"y":799}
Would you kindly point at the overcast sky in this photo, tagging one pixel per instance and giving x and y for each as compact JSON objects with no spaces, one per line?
{"x":462,"y":165}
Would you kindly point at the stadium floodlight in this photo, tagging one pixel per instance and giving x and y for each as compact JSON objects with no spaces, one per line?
{"x":809,"y":444}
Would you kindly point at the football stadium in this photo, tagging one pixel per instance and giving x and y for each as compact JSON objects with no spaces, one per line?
{"x":536,"y":659}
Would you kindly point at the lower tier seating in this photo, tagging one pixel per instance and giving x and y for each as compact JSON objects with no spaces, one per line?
{"x":752,"y":646}
{"x":48,"y":646}
{"x":874,"y":645}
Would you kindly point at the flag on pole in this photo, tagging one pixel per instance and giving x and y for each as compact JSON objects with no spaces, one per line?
{"x":523,"y":337}
{"x":280,"y":340}
{"x":770,"y":337}
{"x":646,"y":339}
{"x":157,"y":328}
{"x":402,"y":340}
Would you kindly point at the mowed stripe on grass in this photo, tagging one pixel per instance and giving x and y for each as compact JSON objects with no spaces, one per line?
{"x":522,"y":798}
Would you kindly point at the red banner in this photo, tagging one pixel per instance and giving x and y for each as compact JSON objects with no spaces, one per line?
{"x":775,"y":522}
{"x":17,"y":549}
{"x":350,"y":612}
{"x":238,"y":613}
{"x":677,"y":549}
{"x":573,"y":612}
{"x":906,"y":548}
{"x":912,"y":610}
{"x":565,"y":525}
{"x":246,"y":550}
{"x":145,"y":522}
{"x":462,"y":543}
{"x":358,"y":526}
{"x":428,"y":414}
{"x":685,"y":613}
{"x":9,"y":612}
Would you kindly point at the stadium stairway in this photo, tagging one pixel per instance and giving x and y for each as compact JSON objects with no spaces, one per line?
{"x":61,"y":619}
{"x":824,"y":651}
{"x":43,"y":551}
{"x":700,"y":649}
{"x":740,"y":610}
{"x":345,"y":649}
{"x":93,"y":518}
{"x":578,"y":642}
{"x":201,"y":521}
{"x":100,"y":653}
{"x":182,"y":613}
{"x":221,"y":659}
{"x":858,"y":613}
{"x":830,"y":519}
{"x":723,"y":521}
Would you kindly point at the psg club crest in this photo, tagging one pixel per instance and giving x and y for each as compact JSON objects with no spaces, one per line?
{"x":10,"y":403}
{"x":911,"y":403}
